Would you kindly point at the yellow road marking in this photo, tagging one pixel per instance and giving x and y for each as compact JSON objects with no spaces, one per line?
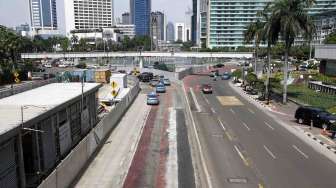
{"x":260,"y":185}
{"x":229,"y":101}
{"x":228,"y":135}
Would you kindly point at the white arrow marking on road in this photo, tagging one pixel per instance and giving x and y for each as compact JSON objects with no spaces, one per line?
{"x":298,"y":150}
{"x":269,"y":152}
{"x":245,"y":125}
{"x":232,"y":111}
{"x":269,"y":125}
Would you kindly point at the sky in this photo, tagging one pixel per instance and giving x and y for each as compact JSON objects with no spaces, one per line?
{"x":16,"y":12}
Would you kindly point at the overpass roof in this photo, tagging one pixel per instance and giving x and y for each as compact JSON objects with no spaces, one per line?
{"x":137,"y":54}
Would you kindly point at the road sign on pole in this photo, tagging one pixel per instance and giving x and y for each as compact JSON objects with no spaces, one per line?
{"x":114,"y":93}
{"x":114,"y":84}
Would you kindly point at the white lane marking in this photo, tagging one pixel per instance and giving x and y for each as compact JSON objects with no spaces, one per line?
{"x":298,"y":150}
{"x":269,"y":125}
{"x":206,"y":100}
{"x":171,"y":163}
{"x":247,"y":127}
{"x":205,"y":168}
{"x":241,"y":155}
{"x":269,"y":152}
{"x":222,"y":124}
{"x":213,"y":110}
{"x":195,"y":99}
{"x":232,"y":111}
{"x":251,"y":111}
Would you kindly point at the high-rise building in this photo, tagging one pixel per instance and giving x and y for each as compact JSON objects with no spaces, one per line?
{"x":84,"y":14}
{"x":158,"y":25}
{"x":180,"y":32}
{"x":226,"y":20}
{"x":188,"y":34}
{"x":140,"y":16}
{"x":43,"y":15}
{"x":126,"y":19}
{"x":170,"y":34}
{"x":195,"y":21}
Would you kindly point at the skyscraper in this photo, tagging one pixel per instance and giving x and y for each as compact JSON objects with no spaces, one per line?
{"x":84,"y":14}
{"x":43,"y":14}
{"x":157,"y":25}
{"x":195,"y":21}
{"x":140,"y":16}
{"x":126,"y":19}
{"x":170,"y":35}
{"x":226,"y":20}
{"x":180,"y":34}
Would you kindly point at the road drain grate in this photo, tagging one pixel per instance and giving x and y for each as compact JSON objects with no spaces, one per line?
{"x":237,"y":180}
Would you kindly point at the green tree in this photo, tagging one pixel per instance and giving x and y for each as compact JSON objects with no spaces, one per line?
{"x":330,"y":39}
{"x":65,"y":43}
{"x":294,"y":21}
{"x":255,"y":32}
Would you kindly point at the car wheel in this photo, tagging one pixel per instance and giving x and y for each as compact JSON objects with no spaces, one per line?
{"x":300,"y":121}
{"x":324,"y":126}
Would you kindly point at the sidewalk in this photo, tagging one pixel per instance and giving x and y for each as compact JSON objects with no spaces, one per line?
{"x":110,"y":166}
{"x":286,"y":114}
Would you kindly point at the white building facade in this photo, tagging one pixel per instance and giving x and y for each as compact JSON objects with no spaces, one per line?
{"x":84,"y":14}
{"x":180,"y":32}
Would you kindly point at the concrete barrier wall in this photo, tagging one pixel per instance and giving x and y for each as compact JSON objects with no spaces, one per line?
{"x":66,"y":172}
{"x":192,"y":70}
{"x":24,"y":87}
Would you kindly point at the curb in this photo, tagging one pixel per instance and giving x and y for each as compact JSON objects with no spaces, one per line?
{"x":330,"y":148}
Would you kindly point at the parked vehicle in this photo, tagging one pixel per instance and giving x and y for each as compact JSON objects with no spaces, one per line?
{"x":160,"y":88}
{"x":152,"y":99}
{"x":166,"y":82}
{"x":207,"y":88}
{"x":319,"y":117}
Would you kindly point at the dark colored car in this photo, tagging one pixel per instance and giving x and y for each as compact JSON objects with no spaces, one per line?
{"x":319,"y":117}
{"x":219,"y":65}
{"x":207,"y":88}
{"x":145,"y":77}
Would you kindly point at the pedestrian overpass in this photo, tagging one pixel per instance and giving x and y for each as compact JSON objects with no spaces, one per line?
{"x":240,"y":55}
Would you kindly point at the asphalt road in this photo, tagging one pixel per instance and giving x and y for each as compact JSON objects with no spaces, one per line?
{"x":243,"y":147}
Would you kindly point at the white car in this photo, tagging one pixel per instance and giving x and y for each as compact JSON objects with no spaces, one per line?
{"x":62,"y":65}
{"x":47,"y":65}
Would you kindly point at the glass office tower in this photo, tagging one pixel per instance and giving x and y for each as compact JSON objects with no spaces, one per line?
{"x":140,"y":16}
{"x":43,"y":14}
{"x":228,"y":19}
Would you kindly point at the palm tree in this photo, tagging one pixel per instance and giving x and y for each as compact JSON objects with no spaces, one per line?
{"x":254,"y":32}
{"x":292,"y":16}
{"x":263,"y":30}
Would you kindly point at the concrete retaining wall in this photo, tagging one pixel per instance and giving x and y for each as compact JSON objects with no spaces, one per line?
{"x":71,"y":166}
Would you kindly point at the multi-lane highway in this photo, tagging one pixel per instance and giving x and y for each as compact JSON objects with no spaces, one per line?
{"x":244,"y":147}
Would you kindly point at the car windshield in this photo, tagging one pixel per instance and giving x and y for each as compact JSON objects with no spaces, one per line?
{"x":152,"y":95}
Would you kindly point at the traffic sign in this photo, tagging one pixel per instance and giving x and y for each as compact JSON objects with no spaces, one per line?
{"x":114,"y":84}
{"x":114,"y":93}
{"x":16,"y":74}
{"x":17,"y":80}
